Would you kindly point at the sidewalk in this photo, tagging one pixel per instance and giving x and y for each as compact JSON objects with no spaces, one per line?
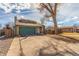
{"x":14,"y":49}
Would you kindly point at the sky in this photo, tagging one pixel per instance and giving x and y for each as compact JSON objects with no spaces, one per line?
{"x":67,"y":13}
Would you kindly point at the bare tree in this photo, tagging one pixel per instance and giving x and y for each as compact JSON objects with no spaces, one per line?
{"x":52,"y":8}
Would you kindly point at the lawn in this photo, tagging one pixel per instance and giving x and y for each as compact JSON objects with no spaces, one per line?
{"x":72,"y":35}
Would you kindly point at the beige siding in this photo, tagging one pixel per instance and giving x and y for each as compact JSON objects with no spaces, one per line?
{"x":17,"y":30}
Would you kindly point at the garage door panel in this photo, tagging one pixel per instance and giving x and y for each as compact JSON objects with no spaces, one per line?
{"x":27,"y":31}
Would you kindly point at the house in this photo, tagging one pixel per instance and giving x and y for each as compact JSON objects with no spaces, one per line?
{"x":26,"y":27}
{"x":70,"y":29}
{"x":8,"y":31}
{"x":50,"y":30}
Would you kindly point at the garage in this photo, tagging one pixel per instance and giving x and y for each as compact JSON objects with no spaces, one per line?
{"x":24,"y":31}
{"x":28,"y":27}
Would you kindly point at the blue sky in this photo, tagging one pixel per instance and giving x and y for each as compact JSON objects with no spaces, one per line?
{"x":67,"y":14}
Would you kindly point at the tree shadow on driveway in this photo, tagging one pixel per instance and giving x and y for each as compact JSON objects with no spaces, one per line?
{"x":67,"y":50}
{"x":65,"y":38}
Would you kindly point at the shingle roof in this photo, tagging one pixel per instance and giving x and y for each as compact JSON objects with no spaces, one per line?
{"x":27,"y":21}
{"x":23,"y":22}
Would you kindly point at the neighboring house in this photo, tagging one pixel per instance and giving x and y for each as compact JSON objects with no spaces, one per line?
{"x":2,"y":32}
{"x":26,"y":27}
{"x":50,"y":30}
{"x":8,"y":31}
{"x":70,"y":29}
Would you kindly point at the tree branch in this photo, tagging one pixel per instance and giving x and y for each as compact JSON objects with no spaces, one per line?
{"x":44,"y":6}
{"x":51,"y":8}
{"x":55,"y":8}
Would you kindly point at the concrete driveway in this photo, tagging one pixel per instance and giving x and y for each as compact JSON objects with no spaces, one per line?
{"x":50,"y":45}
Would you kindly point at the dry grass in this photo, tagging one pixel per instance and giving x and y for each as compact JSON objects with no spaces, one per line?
{"x":72,"y":35}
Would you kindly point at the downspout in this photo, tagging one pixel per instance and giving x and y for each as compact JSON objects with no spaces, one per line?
{"x":15,"y":18}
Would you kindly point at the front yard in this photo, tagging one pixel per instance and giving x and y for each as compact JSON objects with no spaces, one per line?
{"x":71,"y":35}
{"x":45,"y":45}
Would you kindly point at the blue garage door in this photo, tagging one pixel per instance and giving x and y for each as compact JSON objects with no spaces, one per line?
{"x":24,"y":31}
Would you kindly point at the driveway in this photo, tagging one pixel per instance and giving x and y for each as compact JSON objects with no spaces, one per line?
{"x":46,"y":45}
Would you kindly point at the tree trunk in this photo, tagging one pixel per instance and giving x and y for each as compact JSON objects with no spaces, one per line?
{"x":55,"y":25}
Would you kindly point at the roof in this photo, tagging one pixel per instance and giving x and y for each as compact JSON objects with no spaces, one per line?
{"x":23,"y":22}
{"x":70,"y":27}
{"x":27,"y":21}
